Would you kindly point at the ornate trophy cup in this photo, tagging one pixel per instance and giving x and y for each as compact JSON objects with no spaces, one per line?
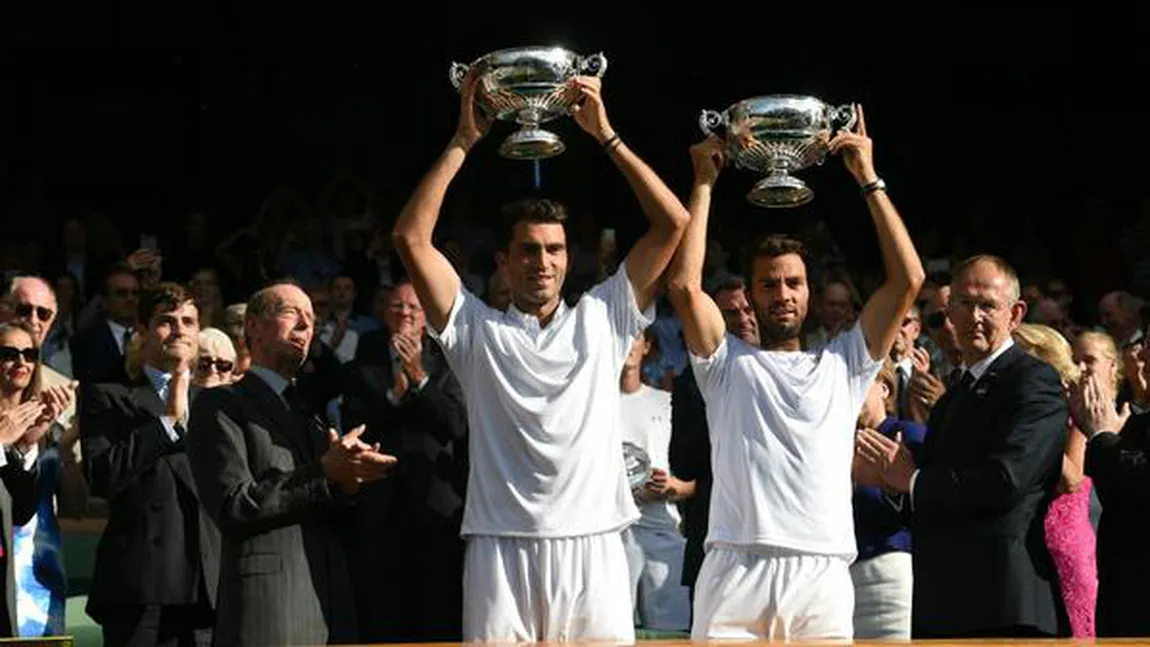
{"x":778,"y":135}
{"x":638,"y":464}
{"x":528,"y":85}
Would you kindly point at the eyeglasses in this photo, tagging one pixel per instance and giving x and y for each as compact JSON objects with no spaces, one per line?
{"x":936,"y":320}
{"x":205,"y":364}
{"x":399,"y":306}
{"x":11,"y":354}
{"x":26,"y":309}
{"x":125,"y":292}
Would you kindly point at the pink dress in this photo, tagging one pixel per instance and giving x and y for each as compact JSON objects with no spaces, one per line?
{"x":1070,"y":539}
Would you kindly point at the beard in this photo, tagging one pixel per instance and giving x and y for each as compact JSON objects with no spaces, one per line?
{"x":773,"y":332}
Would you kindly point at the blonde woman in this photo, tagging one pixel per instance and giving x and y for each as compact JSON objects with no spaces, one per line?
{"x":29,"y":412}
{"x":1095,"y":353}
{"x":216,"y":363}
{"x":1069,"y":534}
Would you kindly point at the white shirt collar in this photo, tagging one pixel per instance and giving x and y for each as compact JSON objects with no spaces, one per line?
{"x":981,"y":365}
{"x":118,"y":332}
{"x":271,"y":378}
{"x":906,"y":366}
{"x":159,"y":379}
{"x":531,"y":322}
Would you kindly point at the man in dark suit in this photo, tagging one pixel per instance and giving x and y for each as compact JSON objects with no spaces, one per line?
{"x":690,"y":449}
{"x":279,"y":485}
{"x":986,"y":475}
{"x":98,"y":348}
{"x":155,"y":574}
{"x":1119,"y":464}
{"x":410,"y":578}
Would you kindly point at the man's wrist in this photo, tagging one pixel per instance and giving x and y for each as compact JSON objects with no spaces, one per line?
{"x":605,"y":136}
{"x":460,"y":142}
{"x":872,"y":187}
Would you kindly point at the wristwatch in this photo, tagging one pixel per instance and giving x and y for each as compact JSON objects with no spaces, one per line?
{"x":877,"y":185}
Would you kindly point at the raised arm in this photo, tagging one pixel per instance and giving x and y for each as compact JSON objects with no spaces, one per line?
{"x":703,"y":325}
{"x":435,"y":280}
{"x":883,"y":313}
{"x":650,"y":256}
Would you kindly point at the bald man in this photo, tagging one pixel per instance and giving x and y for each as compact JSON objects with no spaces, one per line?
{"x":279,"y":486}
{"x":31,"y":301}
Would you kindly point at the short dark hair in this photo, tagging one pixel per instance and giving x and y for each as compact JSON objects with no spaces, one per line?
{"x":772,"y":246}
{"x":728,"y":284}
{"x":116,"y":269}
{"x":164,"y":297}
{"x":531,"y":211}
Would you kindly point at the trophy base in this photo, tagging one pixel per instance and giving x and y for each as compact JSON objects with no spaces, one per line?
{"x":532,"y":144}
{"x":779,"y":192}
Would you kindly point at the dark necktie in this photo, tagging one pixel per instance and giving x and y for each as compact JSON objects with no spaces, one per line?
{"x":903,"y":392}
{"x":955,"y":376}
{"x":967,"y":381}
{"x":310,"y":422}
{"x":127,"y":339}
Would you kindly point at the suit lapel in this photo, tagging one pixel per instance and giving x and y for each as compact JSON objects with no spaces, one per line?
{"x":180,"y":463}
{"x":111,"y":345}
{"x":145,"y":395}
{"x":957,"y":410}
{"x":273,"y":409}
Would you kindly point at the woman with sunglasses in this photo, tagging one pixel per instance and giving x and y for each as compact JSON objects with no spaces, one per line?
{"x":216,"y":363}
{"x":29,"y":412}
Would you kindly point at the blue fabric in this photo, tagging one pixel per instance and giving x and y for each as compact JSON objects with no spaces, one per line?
{"x":41,"y":584}
{"x":879,"y":529}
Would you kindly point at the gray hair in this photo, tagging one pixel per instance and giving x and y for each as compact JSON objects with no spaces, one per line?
{"x":214,"y":339}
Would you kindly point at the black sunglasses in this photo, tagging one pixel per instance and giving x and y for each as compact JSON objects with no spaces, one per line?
{"x":26,"y":309}
{"x":935,"y":320}
{"x":11,"y":354}
{"x":222,"y":365}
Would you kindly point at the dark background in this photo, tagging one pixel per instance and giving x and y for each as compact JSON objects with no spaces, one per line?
{"x":991,"y":126}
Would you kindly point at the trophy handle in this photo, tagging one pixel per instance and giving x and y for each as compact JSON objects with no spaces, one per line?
{"x":457,"y":72}
{"x":709,"y":120}
{"x":594,"y":65}
{"x":843,"y":117}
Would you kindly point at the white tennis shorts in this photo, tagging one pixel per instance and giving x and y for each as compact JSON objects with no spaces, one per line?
{"x":524,"y":589}
{"x":754,"y":593}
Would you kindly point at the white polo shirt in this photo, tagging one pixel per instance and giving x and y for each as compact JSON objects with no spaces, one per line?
{"x":782,"y":430}
{"x":543,"y":409}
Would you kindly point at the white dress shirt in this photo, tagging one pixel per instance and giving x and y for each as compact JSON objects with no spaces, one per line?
{"x":160,"y":381}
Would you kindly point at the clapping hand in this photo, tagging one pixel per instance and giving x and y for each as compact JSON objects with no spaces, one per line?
{"x":889,"y":456}
{"x":15,"y":422}
{"x":349,"y":462}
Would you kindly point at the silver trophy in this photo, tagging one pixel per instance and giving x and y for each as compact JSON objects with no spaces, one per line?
{"x":528,"y":85}
{"x":778,"y":135}
{"x":638,"y":464}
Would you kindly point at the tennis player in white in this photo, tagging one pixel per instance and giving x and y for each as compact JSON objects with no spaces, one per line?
{"x":547,"y":493}
{"x":781,"y":533}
